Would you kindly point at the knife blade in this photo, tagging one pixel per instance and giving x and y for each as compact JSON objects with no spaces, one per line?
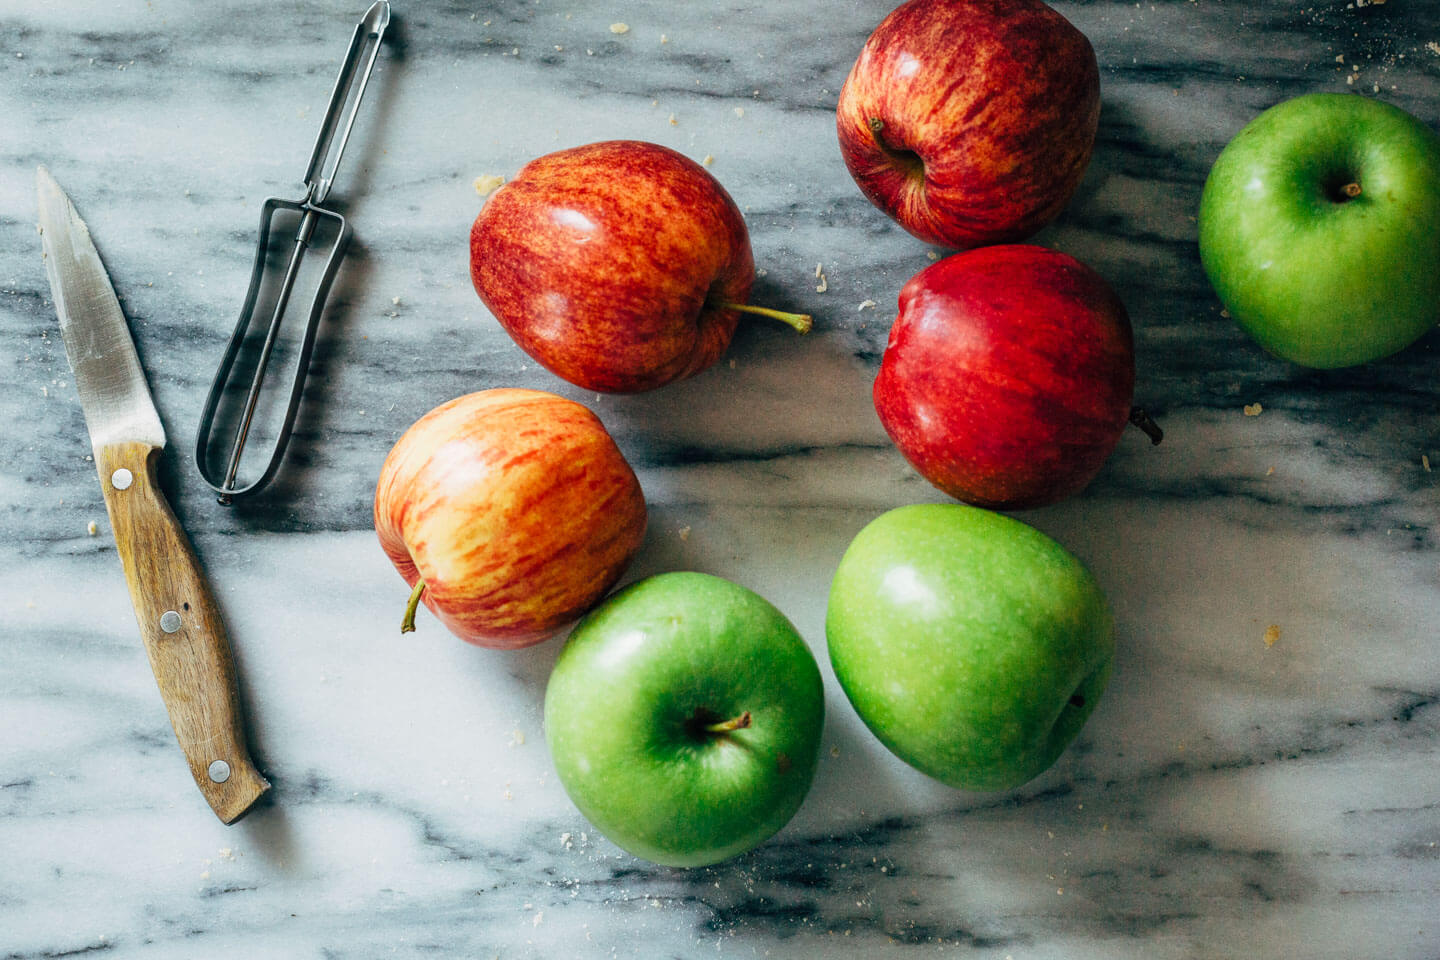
{"x":179,"y":620}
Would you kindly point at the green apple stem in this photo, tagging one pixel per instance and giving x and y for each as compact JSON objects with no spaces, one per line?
{"x":1141,"y":419}
{"x":1351,"y":190}
{"x":729,"y":726}
{"x":408,"y":624}
{"x":800,"y":321}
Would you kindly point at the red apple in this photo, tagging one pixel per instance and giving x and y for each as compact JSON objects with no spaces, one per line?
{"x":1008,"y":375}
{"x":971,"y":121}
{"x":619,"y":266}
{"x":509,"y":512}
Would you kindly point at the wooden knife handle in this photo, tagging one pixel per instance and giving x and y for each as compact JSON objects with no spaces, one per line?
{"x":182,"y":630}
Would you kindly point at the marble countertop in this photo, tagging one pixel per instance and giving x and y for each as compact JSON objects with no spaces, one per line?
{"x":1229,"y":798}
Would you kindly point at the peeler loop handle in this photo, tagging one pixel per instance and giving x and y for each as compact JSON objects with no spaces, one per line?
{"x":225,"y":485}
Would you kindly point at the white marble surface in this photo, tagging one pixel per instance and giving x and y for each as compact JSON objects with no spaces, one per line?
{"x":1227,"y":799}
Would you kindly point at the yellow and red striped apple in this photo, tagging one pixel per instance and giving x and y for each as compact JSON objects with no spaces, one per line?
{"x":509,"y":513}
{"x":620,"y":266}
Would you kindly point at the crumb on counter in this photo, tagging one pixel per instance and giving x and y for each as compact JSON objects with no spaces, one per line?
{"x":1424,"y":462}
{"x":684,"y":533}
{"x":1253,"y":409}
{"x":673,"y":121}
{"x":488,"y":183}
{"x":866,"y":305}
{"x":92,"y":529}
{"x":618,"y":28}
{"x":739,"y":112}
{"x":708,"y":160}
{"x":824,"y":283}
{"x":1272,"y":633}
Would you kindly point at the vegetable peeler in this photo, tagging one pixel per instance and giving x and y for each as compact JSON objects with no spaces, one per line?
{"x":319,"y":177}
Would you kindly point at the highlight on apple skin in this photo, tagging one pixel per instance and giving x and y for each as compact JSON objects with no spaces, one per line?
{"x":619,"y":266}
{"x":971,"y":122}
{"x":1008,"y":375}
{"x":509,"y":513}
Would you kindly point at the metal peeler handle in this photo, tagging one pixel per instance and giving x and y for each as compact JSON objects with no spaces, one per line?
{"x":319,"y":176}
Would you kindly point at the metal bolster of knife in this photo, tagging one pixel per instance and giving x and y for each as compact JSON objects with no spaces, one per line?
{"x":325,"y":156}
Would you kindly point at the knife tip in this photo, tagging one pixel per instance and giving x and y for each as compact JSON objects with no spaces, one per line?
{"x":45,"y":183}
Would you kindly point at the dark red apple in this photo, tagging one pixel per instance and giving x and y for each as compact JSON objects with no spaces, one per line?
{"x":971,"y":121}
{"x":1008,"y":375}
{"x":619,"y":266}
{"x":509,"y":512}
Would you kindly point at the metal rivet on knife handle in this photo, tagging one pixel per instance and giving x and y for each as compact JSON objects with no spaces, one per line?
{"x":170,"y":621}
{"x":121,"y":479}
{"x":219,"y":771}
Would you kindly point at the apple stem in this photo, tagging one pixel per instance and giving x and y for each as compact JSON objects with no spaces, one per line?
{"x":1351,"y":190}
{"x":876,"y":125}
{"x":1141,"y":419}
{"x":800,"y":321}
{"x":408,"y":624}
{"x":729,"y":726}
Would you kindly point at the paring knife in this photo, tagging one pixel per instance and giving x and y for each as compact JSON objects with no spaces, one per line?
{"x":178,"y":618}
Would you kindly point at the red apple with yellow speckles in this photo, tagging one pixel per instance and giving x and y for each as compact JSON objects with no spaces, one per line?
{"x":510,"y":513}
{"x":1008,"y":375}
{"x":620,"y":266}
{"x":971,"y":122}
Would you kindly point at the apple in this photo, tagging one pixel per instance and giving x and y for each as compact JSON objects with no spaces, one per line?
{"x":684,"y":716}
{"x":619,"y":266}
{"x":1320,"y":229}
{"x":971,"y":122}
{"x":972,"y":645}
{"x":1008,"y":375}
{"x":509,"y":512}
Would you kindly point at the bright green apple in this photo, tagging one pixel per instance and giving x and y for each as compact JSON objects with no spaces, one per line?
{"x":1320,"y":229}
{"x":684,"y":718}
{"x":971,"y":644}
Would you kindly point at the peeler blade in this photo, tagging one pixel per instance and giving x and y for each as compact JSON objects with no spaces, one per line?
{"x":345,"y":99}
